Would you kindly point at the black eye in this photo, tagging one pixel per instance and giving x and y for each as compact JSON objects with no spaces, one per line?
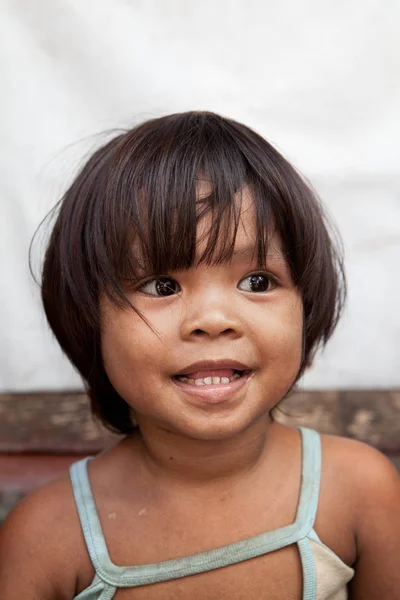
{"x":160,"y":286}
{"x":256,"y":283}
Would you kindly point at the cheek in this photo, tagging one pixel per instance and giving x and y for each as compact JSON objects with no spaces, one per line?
{"x":131,"y":351}
{"x":283,"y":336}
{"x":121,"y":346}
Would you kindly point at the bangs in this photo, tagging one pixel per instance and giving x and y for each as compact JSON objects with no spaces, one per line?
{"x":134,"y":209}
{"x":144,"y":205}
{"x":161,"y":233}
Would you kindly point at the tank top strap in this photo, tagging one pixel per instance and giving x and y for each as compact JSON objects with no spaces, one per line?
{"x":88,"y":515}
{"x":124,"y":576}
{"x":310,"y":479}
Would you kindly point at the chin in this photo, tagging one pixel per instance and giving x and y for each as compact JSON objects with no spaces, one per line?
{"x":217,"y":428}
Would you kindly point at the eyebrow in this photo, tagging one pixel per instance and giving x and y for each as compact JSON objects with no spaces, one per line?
{"x":272,"y":255}
{"x":251,"y":250}
{"x":245,"y":251}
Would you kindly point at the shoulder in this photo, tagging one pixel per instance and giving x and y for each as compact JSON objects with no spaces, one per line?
{"x":41,"y":543}
{"x":367,"y":481}
{"x":366,"y":485}
{"x":358,"y":465}
{"x":357,"y":481}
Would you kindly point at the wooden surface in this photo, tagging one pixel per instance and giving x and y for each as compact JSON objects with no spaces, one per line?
{"x":42,"y":434}
{"x":369,"y":416}
{"x":61,"y":423}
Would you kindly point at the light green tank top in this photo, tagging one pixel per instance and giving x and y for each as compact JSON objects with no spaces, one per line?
{"x":324,"y":574}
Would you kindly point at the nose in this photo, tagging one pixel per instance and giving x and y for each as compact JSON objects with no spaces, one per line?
{"x":212,"y":316}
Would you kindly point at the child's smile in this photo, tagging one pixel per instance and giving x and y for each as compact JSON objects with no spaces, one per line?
{"x":213,"y":381}
{"x":224,"y":346}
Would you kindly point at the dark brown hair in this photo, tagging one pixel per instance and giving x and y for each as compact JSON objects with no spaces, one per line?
{"x":139,"y":191}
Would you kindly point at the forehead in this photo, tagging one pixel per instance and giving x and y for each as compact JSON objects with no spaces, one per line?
{"x":246,"y":235}
{"x":208,"y":223}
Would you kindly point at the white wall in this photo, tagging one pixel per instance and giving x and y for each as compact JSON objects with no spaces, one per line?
{"x":320,"y":80}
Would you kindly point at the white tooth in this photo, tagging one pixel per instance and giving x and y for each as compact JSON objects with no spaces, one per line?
{"x":224,"y":379}
{"x":191,"y":381}
{"x":208,"y":380}
{"x":199,"y":381}
{"x":235,"y":376}
{"x":183,"y":378}
{"x":216,"y":380}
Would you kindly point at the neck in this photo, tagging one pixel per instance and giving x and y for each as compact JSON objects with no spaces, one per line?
{"x":187,"y":461}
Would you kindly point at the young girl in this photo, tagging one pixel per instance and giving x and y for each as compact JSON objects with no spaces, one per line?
{"x":190,"y":279}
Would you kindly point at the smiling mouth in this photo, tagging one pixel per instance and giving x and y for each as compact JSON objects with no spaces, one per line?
{"x":218,"y":377}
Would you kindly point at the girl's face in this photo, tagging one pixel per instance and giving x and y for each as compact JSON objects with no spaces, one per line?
{"x":225,"y":344}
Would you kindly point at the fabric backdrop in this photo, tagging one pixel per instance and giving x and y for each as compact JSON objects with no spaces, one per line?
{"x":320,"y":80}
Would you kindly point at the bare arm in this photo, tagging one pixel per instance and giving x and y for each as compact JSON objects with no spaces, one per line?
{"x":377,"y":489}
{"x":34,"y":562}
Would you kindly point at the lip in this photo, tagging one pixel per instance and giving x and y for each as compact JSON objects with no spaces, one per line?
{"x":214,"y":365}
{"x":226,"y":393}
